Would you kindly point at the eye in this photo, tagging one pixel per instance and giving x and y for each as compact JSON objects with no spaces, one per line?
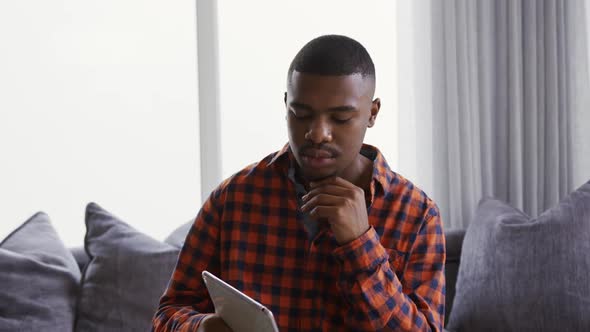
{"x":300,"y":115}
{"x":341,"y":119}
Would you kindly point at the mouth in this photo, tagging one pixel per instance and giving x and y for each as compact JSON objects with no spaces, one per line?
{"x":316,"y":158}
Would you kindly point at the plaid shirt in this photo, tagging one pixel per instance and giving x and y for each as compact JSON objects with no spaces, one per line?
{"x":250,"y":232}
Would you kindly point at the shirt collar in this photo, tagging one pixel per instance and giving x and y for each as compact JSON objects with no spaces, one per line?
{"x":382,"y":174}
{"x":285,"y":150}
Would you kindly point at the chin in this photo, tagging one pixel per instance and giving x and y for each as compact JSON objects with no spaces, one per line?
{"x":318,"y":176}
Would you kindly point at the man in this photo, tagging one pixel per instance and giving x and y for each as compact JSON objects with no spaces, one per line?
{"x":322,"y":232}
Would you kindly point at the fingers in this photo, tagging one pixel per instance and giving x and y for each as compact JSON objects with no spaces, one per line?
{"x":335,"y":186}
{"x":341,"y":204}
{"x":213,"y":322}
{"x":329,"y":189}
{"x":328,"y":197}
{"x":330,"y":213}
{"x":321,"y":199}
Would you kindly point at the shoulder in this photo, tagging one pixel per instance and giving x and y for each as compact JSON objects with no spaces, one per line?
{"x":407,"y":211}
{"x":251,"y":176}
{"x":408,"y":194}
{"x":398,"y":190}
{"x":414,"y":218}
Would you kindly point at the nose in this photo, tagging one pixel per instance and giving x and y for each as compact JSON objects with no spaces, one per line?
{"x":319,"y":131}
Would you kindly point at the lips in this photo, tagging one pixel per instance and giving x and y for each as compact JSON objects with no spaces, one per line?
{"x":317,"y":153}
{"x":317,"y":158}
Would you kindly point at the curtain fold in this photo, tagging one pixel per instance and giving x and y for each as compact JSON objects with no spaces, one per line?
{"x":496,"y":89}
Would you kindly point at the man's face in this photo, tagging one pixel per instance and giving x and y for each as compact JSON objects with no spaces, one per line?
{"x":327,"y":118}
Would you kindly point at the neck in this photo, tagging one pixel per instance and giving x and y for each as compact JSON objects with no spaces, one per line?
{"x":364,"y":173}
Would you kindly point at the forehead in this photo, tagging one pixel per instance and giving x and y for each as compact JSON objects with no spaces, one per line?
{"x":340,"y":89}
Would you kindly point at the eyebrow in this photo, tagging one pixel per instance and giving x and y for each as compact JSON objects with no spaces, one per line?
{"x":343,"y":108}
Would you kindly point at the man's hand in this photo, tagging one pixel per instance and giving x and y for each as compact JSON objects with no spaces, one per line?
{"x":342,"y":204}
{"x":213,"y":323}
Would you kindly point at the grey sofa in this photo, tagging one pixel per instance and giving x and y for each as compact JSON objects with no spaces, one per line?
{"x":454,"y":240}
{"x":517,"y":273}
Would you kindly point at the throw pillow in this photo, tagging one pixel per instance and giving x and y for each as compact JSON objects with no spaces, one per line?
{"x":127,"y":273}
{"x":39,"y":279}
{"x":177,"y":237}
{"x":523,"y":274}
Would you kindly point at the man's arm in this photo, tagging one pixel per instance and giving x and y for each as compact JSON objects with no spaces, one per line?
{"x":378,"y":299}
{"x":186,"y":301}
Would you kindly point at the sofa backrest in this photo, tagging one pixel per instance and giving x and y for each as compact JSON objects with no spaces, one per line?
{"x":453,"y":238}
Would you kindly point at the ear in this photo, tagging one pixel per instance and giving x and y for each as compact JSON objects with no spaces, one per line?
{"x":375,"y":106}
{"x":285,"y":101}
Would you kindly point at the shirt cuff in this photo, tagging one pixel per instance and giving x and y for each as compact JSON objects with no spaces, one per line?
{"x":363,"y":254}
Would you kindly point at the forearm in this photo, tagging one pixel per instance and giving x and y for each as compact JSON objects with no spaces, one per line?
{"x":186,"y":301}
{"x":175,"y":318}
{"x":381,"y":300}
{"x":377,"y":299}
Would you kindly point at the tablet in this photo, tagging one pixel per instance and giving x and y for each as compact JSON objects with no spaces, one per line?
{"x":238,"y":310}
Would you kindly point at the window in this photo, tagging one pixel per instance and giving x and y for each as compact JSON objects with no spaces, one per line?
{"x":258,"y":40}
{"x":98,"y":103}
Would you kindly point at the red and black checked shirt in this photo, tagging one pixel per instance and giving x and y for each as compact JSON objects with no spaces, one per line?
{"x":250,"y":233}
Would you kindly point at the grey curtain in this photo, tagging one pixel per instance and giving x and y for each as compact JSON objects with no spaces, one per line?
{"x":499,"y":102}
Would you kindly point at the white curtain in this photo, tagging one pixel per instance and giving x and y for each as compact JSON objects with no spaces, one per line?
{"x":493,"y":101}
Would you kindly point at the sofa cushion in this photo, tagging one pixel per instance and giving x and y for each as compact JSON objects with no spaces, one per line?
{"x":125,"y":277}
{"x":177,"y":237}
{"x":39,"y":279}
{"x":525,"y":274}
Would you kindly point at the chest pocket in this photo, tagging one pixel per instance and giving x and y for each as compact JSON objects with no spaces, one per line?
{"x":397,"y":261}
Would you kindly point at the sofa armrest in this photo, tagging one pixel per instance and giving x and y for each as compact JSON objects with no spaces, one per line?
{"x":454,"y":242}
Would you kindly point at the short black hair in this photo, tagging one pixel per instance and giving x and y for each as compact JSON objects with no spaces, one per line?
{"x":333,"y":55}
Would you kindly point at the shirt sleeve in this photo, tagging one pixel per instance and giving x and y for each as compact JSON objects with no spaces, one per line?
{"x":186,"y":300}
{"x":378,"y":300}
